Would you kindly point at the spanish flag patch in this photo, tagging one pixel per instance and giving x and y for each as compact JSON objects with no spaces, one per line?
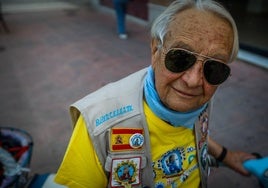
{"x":123,"y":139}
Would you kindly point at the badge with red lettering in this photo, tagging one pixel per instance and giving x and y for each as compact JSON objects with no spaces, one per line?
{"x":125,"y":172}
{"x":125,"y":139}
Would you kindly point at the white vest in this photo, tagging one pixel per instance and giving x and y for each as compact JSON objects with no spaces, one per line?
{"x":120,"y":104}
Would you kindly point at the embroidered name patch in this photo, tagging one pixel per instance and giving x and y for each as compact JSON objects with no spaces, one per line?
{"x":125,"y":172}
{"x":123,"y":139}
{"x":113,"y":114}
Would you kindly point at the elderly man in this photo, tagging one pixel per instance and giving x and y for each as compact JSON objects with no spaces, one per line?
{"x":150,"y":129}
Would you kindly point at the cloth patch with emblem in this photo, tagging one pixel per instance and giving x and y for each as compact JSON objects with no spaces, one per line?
{"x":125,"y":139}
{"x":125,"y":172}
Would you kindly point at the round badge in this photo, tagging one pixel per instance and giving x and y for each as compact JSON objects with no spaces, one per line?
{"x":136,"y":140}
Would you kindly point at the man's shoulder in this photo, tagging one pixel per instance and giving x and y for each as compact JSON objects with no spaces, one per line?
{"x":111,"y":103}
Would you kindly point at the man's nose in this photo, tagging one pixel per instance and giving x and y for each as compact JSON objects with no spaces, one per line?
{"x":194,"y":75}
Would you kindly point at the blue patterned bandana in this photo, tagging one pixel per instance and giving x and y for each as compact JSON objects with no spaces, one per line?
{"x":175,"y":118}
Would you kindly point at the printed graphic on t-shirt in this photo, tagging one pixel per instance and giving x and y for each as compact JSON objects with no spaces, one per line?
{"x":174,"y":167}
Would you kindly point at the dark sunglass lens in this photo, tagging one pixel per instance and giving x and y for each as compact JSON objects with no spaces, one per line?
{"x":178,"y":60}
{"x":216,"y":72}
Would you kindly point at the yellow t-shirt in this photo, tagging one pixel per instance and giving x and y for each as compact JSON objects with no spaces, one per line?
{"x":80,"y":166}
{"x":173,"y":155}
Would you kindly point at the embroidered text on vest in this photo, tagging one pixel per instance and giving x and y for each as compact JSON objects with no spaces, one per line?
{"x":113,"y":114}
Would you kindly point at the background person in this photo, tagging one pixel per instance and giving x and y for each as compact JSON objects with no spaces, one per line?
{"x":120,"y":7}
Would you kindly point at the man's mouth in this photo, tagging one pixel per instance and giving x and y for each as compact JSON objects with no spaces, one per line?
{"x":184,"y":94}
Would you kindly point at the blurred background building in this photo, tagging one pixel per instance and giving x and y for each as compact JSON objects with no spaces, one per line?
{"x":250,"y":16}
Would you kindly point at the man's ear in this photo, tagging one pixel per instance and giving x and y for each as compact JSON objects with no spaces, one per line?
{"x":154,"y":50}
{"x":154,"y":46}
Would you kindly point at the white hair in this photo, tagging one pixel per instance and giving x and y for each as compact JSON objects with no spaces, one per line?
{"x":161,"y":23}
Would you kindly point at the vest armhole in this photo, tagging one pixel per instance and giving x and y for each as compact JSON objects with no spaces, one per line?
{"x":75,"y":113}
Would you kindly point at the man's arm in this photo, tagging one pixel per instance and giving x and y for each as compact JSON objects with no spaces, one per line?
{"x":232,"y":159}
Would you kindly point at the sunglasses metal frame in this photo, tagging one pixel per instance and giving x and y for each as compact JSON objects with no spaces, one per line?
{"x":197,"y":55}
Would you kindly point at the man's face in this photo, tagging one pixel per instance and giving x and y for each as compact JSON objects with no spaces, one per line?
{"x":200,"y":32}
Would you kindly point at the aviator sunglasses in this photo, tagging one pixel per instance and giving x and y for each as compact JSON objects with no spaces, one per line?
{"x":178,"y":60}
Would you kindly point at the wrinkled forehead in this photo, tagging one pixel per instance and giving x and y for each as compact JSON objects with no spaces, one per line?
{"x":193,"y":19}
{"x":199,"y":29}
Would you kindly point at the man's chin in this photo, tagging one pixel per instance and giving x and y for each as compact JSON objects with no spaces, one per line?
{"x":182,"y":107}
